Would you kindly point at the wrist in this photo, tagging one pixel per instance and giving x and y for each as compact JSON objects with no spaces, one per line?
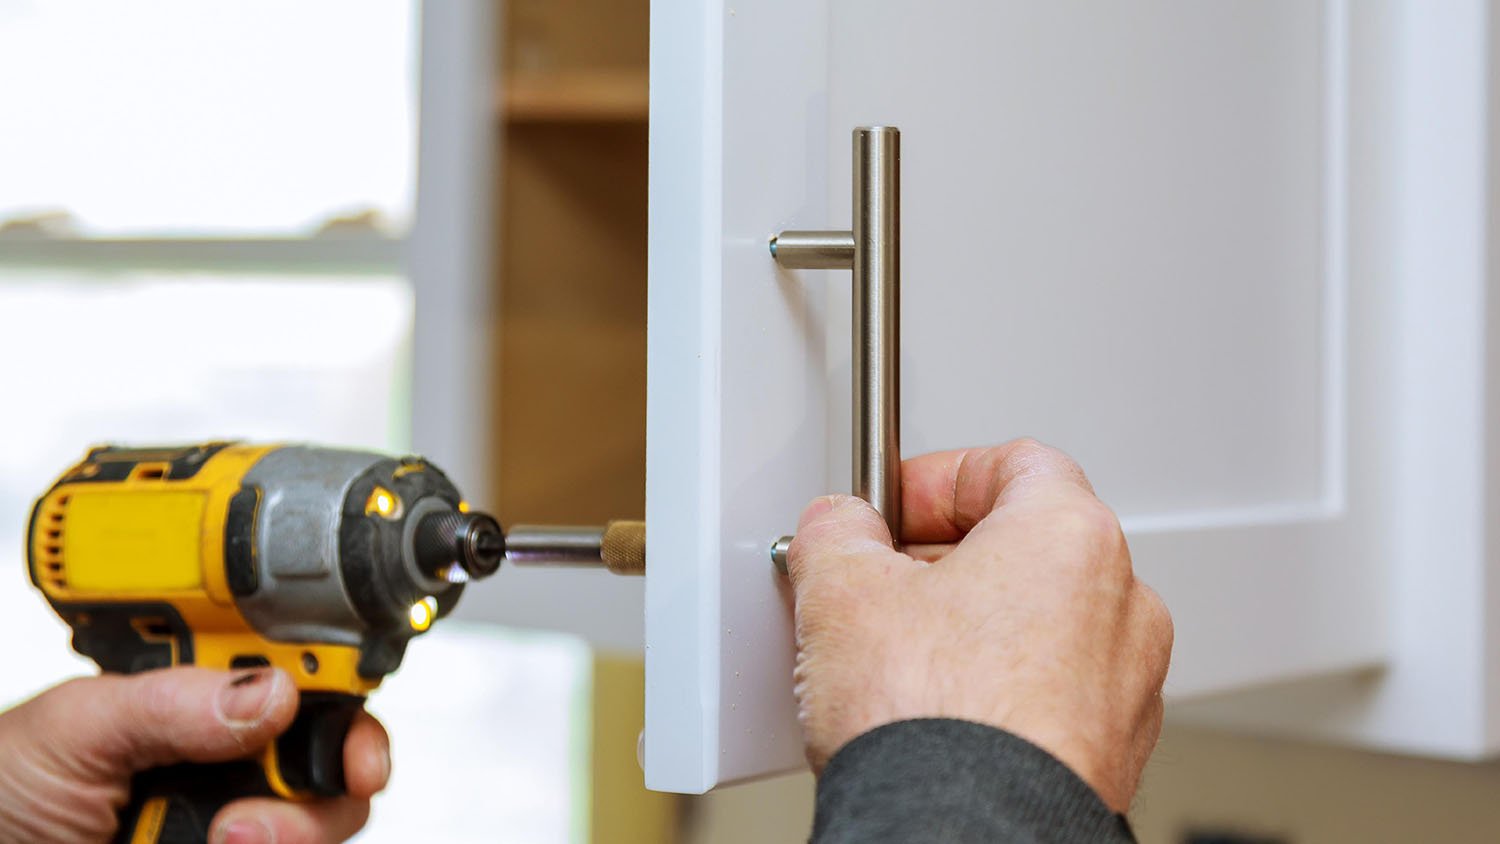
{"x":1092,"y":761}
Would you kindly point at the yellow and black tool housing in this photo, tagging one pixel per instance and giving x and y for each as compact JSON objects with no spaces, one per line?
{"x":323,"y":562}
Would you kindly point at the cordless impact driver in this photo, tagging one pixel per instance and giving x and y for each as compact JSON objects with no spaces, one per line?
{"x":322,"y":562}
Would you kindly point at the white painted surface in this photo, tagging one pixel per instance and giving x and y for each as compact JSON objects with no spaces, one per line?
{"x":1178,"y":242}
{"x":1427,"y":194}
{"x":735,"y":402}
{"x":1124,"y":232}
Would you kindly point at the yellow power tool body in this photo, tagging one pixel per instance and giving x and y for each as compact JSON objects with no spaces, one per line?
{"x":323,"y":562}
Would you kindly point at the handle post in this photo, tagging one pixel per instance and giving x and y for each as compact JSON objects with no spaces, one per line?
{"x":877,"y":322}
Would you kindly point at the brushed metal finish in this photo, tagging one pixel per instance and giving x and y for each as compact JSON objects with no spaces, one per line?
{"x":779,"y":550}
{"x":877,"y":321}
{"x":619,"y":546}
{"x":872,"y":251}
{"x":302,"y":596}
{"x":814,"y":250}
{"x":540,"y":545}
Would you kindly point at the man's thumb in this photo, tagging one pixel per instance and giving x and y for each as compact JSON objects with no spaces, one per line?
{"x":185,"y":714}
{"x":833,"y":529}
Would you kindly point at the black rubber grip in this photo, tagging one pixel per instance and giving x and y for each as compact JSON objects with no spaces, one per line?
{"x":311,"y":751}
{"x":177,"y":804}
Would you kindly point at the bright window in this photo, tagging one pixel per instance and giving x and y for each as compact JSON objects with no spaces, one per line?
{"x":202,"y":214}
{"x":230,"y":118}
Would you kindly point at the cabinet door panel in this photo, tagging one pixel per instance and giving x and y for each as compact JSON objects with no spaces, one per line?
{"x":1114,"y":235}
{"x":1123,"y":232}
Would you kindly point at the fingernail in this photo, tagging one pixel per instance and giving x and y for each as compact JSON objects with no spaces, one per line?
{"x":383,"y":764}
{"x":245,"y":699}
{"x":244,"y":832}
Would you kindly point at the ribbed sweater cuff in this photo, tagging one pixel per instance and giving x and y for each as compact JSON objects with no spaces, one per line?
{"x":932,"y":780}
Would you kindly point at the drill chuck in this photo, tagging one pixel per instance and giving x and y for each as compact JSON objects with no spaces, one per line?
{"x":456,"y":546}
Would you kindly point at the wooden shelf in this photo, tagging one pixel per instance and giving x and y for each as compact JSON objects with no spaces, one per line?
{"x":578,"y":96}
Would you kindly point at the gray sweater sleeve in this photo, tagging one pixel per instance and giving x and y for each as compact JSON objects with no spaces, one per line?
{"x":938,"y":780}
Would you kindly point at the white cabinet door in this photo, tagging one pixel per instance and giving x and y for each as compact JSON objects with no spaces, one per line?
{"x":1127,"y":231}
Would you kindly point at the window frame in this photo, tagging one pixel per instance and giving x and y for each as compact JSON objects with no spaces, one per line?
{"x":445,"y":256}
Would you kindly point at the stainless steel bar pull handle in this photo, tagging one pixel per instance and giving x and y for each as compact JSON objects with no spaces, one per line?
{"x":872,"y":251}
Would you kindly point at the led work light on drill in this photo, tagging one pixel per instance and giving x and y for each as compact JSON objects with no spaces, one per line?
{"x":319,"y":561}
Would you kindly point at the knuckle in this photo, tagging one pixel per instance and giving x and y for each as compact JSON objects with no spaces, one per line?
{"x":1091,"y":524}
{"x":1029,"y":451}
{"x":1033,"y":454}
{"x":1100,"y":523}
{"x":1159,"y":629}
{"x":1027,"y":445}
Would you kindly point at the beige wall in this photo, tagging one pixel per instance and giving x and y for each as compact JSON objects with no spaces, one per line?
{"x":1312,"y":793}
{"x":775,"y":810}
